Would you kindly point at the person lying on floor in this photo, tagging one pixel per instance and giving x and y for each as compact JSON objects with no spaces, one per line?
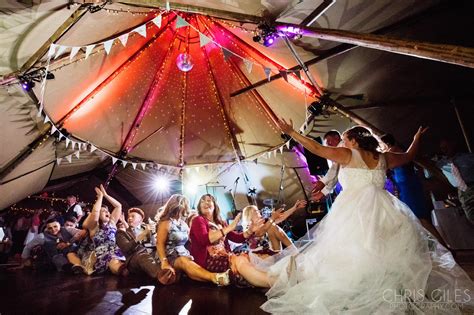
{"x":173,"y":234}
{"x":58,"y":244}
{"x":269,"y":237}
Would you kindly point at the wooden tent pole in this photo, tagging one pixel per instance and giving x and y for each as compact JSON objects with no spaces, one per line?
{"x":457,"y":55}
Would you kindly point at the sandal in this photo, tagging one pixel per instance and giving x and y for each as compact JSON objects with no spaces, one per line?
{"x":222,"y":278}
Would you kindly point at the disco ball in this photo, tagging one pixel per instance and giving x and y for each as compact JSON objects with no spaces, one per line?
{"x":184,"y":62}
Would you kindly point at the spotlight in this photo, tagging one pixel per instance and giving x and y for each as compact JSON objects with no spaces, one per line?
{"x":256,"y":38}
{"x":191,"y":187}
{"x":268,"y":41}
{"x":161,"y":184}
{"x":27,"y":80}
{"x":27,"y":84}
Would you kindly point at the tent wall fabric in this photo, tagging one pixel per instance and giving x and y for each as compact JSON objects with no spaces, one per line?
{"x":133,"y":102}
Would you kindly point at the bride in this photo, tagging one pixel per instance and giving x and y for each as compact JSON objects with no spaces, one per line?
{"x":370,"y":255}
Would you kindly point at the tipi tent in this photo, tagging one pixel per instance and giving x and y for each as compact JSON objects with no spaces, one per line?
{"x":122,"y":98}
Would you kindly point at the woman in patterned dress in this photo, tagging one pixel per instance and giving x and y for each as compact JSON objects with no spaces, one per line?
{"x":101,"y":225}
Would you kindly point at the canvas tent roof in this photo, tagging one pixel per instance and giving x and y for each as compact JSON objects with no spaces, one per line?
{"x":388,"y":90}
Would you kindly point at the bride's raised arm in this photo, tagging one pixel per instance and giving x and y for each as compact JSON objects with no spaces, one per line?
{"x":338,"y":155}
{"x":397,"y":159}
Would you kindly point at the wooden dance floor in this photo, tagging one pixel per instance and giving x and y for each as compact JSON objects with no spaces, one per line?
{"x":27,"y":292}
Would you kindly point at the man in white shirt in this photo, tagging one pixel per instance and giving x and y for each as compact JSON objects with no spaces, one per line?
{"x":325,"y":185}
{"x":73,"y":208}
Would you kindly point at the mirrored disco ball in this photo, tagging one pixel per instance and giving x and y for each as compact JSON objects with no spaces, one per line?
{"x":184,"y":62}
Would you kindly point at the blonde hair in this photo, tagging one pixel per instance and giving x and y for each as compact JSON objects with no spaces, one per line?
{"x":247,"y":216}
{"x":177,"y":206}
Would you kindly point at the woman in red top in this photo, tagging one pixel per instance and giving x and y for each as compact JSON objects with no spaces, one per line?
{"x":209,"y":234}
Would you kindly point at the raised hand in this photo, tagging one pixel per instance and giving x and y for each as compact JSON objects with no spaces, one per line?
{"x":102,"y":189}
{"x":285,"y":127}
{"x":420,"y":132}
{"x":99,"y":193}
{"x":277,"y":215}
{"x":299,"y":204}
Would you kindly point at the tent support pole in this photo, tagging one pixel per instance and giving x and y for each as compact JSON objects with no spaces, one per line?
{"x":461,"y":124}
{"x":457,"y":55}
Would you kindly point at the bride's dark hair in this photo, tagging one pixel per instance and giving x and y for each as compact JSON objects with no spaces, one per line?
{"x":364,"y":138}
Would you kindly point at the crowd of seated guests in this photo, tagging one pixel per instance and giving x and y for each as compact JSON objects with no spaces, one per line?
{"x":181,"y":242}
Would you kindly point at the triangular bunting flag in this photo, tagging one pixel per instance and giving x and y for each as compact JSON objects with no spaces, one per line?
{"x":74,"y":51}
{"x":77,"y":153}
{"x":141,"y":30}
{"x":143,"y":165}
{"x":180,"y":22}
{"x":73,"y":144}
{"x":60,"y":51}
{"x":203,"y":40}
{"x":46,"y":119}
{"x":89,"y":50}
{"x":61,"y":136}
{"x":69,"y":158}
{"x":114,"y":160}
{"x":288,"y":145}
{"x":58,"y":160}
{"x":67,"y":142}
{"x":84,"y":146}
{"x":53,"y":129}
{"x":227,"y":53}
{"x":157,"y":21}
{"x":248,"y":65}
{"x":280,"y":149}
{"x":124,"y":163}
{"x":284,"y":75}
{"x":123,"y":39}
{"x":108,"y":46}
{"x":134,"y":165}
{"x":93,"y":148}
{"x":167,"y":7}
{"x":197,"y":169}
{"x":298,"y":74}
{"x":268,"y":72}
{"x":52,"y":50}
{"x":255,"y":161}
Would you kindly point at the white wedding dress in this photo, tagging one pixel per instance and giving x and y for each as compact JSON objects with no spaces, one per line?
{"x":369,"y":255}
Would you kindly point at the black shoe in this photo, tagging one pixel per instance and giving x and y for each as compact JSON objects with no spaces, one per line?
{"x":77,"y":270}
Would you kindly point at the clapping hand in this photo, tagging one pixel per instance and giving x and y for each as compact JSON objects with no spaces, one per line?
{"x":254,"y":226}
{"x":99,"y":193}
{"x":236,"y":221}
{"x":102,"y":189}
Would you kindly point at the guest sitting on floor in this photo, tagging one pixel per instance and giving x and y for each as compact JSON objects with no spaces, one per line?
{"x":131,"y":242}
{"x":458,"y":167}
{"x":209,"y":235}
{"x":171,"y":239}
{"x":70,"y":222}
{"x":58,"y":245}
{"x":101,"y":225}
{"x":269,"y":237}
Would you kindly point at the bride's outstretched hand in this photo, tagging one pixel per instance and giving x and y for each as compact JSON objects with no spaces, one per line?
{"x":285,"y":127}
{"x":421,"y":131}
